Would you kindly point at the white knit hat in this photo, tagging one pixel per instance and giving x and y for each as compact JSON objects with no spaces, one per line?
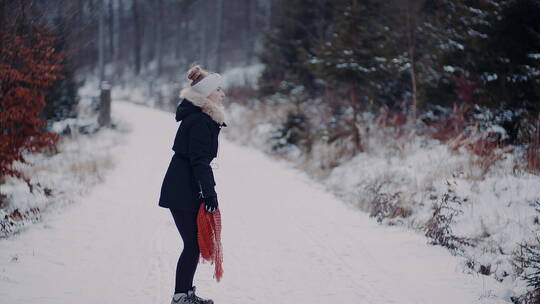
{"x":208,"y":84}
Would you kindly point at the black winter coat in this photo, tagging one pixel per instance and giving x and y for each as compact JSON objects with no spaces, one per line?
{"x":189,"y":177}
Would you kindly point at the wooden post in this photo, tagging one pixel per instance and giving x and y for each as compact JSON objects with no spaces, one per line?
{"x":104,"y":118}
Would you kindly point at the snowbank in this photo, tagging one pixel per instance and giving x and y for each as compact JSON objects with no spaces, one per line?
{"x":64,"y":174}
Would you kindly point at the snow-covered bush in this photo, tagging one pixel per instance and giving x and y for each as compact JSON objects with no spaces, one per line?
{"x":64,"y":177}
{"x":439,"y":227}
{"x":386,"y":206}
{"x":527,"y":263}
{"x":292,"y":133}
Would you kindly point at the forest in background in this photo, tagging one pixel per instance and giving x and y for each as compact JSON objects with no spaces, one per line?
{"x":116,"y":41}
{"x":439,"y":65}
{"x":443,"y":67}
{"x":135,"y":33}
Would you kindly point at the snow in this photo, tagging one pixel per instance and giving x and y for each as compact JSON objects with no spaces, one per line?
{"x":79,"y":162}
{"x":498,"y":205}
{"x":477,"y":34}
{"x":243,"y":76}
{"x":285,"y":238}
{"x":449,"y":68}
{"x":315,"y":60}
{"x":456,"y":44}
{"x":490,"y":77}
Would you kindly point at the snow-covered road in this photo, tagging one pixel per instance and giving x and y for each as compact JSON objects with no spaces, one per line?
{"x":285,"y":239}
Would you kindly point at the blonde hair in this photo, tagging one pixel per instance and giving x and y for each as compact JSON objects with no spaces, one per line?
{"x":196,"y":74}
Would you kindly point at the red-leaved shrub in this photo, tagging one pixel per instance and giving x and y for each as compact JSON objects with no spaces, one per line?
{"x":28,"y":65}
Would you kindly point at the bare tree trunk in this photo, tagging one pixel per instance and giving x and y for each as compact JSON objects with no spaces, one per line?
{"x":267,"y":14}
{"x":354,"y":122}
{"x":91,"y":7}
{"x":59,"y":11}
{"x":120,"y":30}
{"x":249,"y":32}
{"x":411,"y":47}
{"x":111,"y":30}
{"x":149,"y":21}
{"x":187,"y":34}
{"x":79,"y":14}
{"x":137,"y":38}
{"x":101,"y":42}
{"x":354,"y":100}
{"x":2,"y":15}
{"x":84,"y":19}
{"x":93,"y":20}
{"x":203,"y":42}
{"x":219,"y":34}
{"x":179,"y":26}
{"x":159,"y":36}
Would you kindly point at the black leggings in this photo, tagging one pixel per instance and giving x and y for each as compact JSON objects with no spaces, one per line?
{"x":186,"y":222}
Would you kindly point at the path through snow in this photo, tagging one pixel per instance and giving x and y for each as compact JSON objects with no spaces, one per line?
{"x":285,"y":239}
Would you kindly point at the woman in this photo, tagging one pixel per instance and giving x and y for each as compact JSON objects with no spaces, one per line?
{"x":189,"y":180}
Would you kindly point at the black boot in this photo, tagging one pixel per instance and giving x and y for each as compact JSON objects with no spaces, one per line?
{"x":191,"y":294}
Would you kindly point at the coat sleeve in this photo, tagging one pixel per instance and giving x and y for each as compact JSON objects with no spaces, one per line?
{"x":200,"y":156}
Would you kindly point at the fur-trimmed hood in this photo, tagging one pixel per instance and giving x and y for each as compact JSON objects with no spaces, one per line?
{"x":215,"y":110}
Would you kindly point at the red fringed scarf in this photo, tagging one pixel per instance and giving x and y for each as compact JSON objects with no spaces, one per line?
{"x":209,"y":238}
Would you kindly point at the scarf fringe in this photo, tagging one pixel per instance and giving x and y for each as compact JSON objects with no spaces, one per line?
{"x":209,"y":239}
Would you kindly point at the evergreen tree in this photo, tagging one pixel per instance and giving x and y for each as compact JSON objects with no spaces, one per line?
{"x":351,"y":62}
{"x":354,"y":55}
{"x":292,"y":132}
{"x":494,"y":44}
{"x":62,"y":98}
{"x":510,"y":65}
{"x":294,"y":26}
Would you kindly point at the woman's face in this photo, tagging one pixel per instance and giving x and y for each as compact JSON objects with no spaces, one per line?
{"x":217,"y":95}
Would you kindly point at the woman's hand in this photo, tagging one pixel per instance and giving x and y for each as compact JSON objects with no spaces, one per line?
{"x":211,"y":204}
